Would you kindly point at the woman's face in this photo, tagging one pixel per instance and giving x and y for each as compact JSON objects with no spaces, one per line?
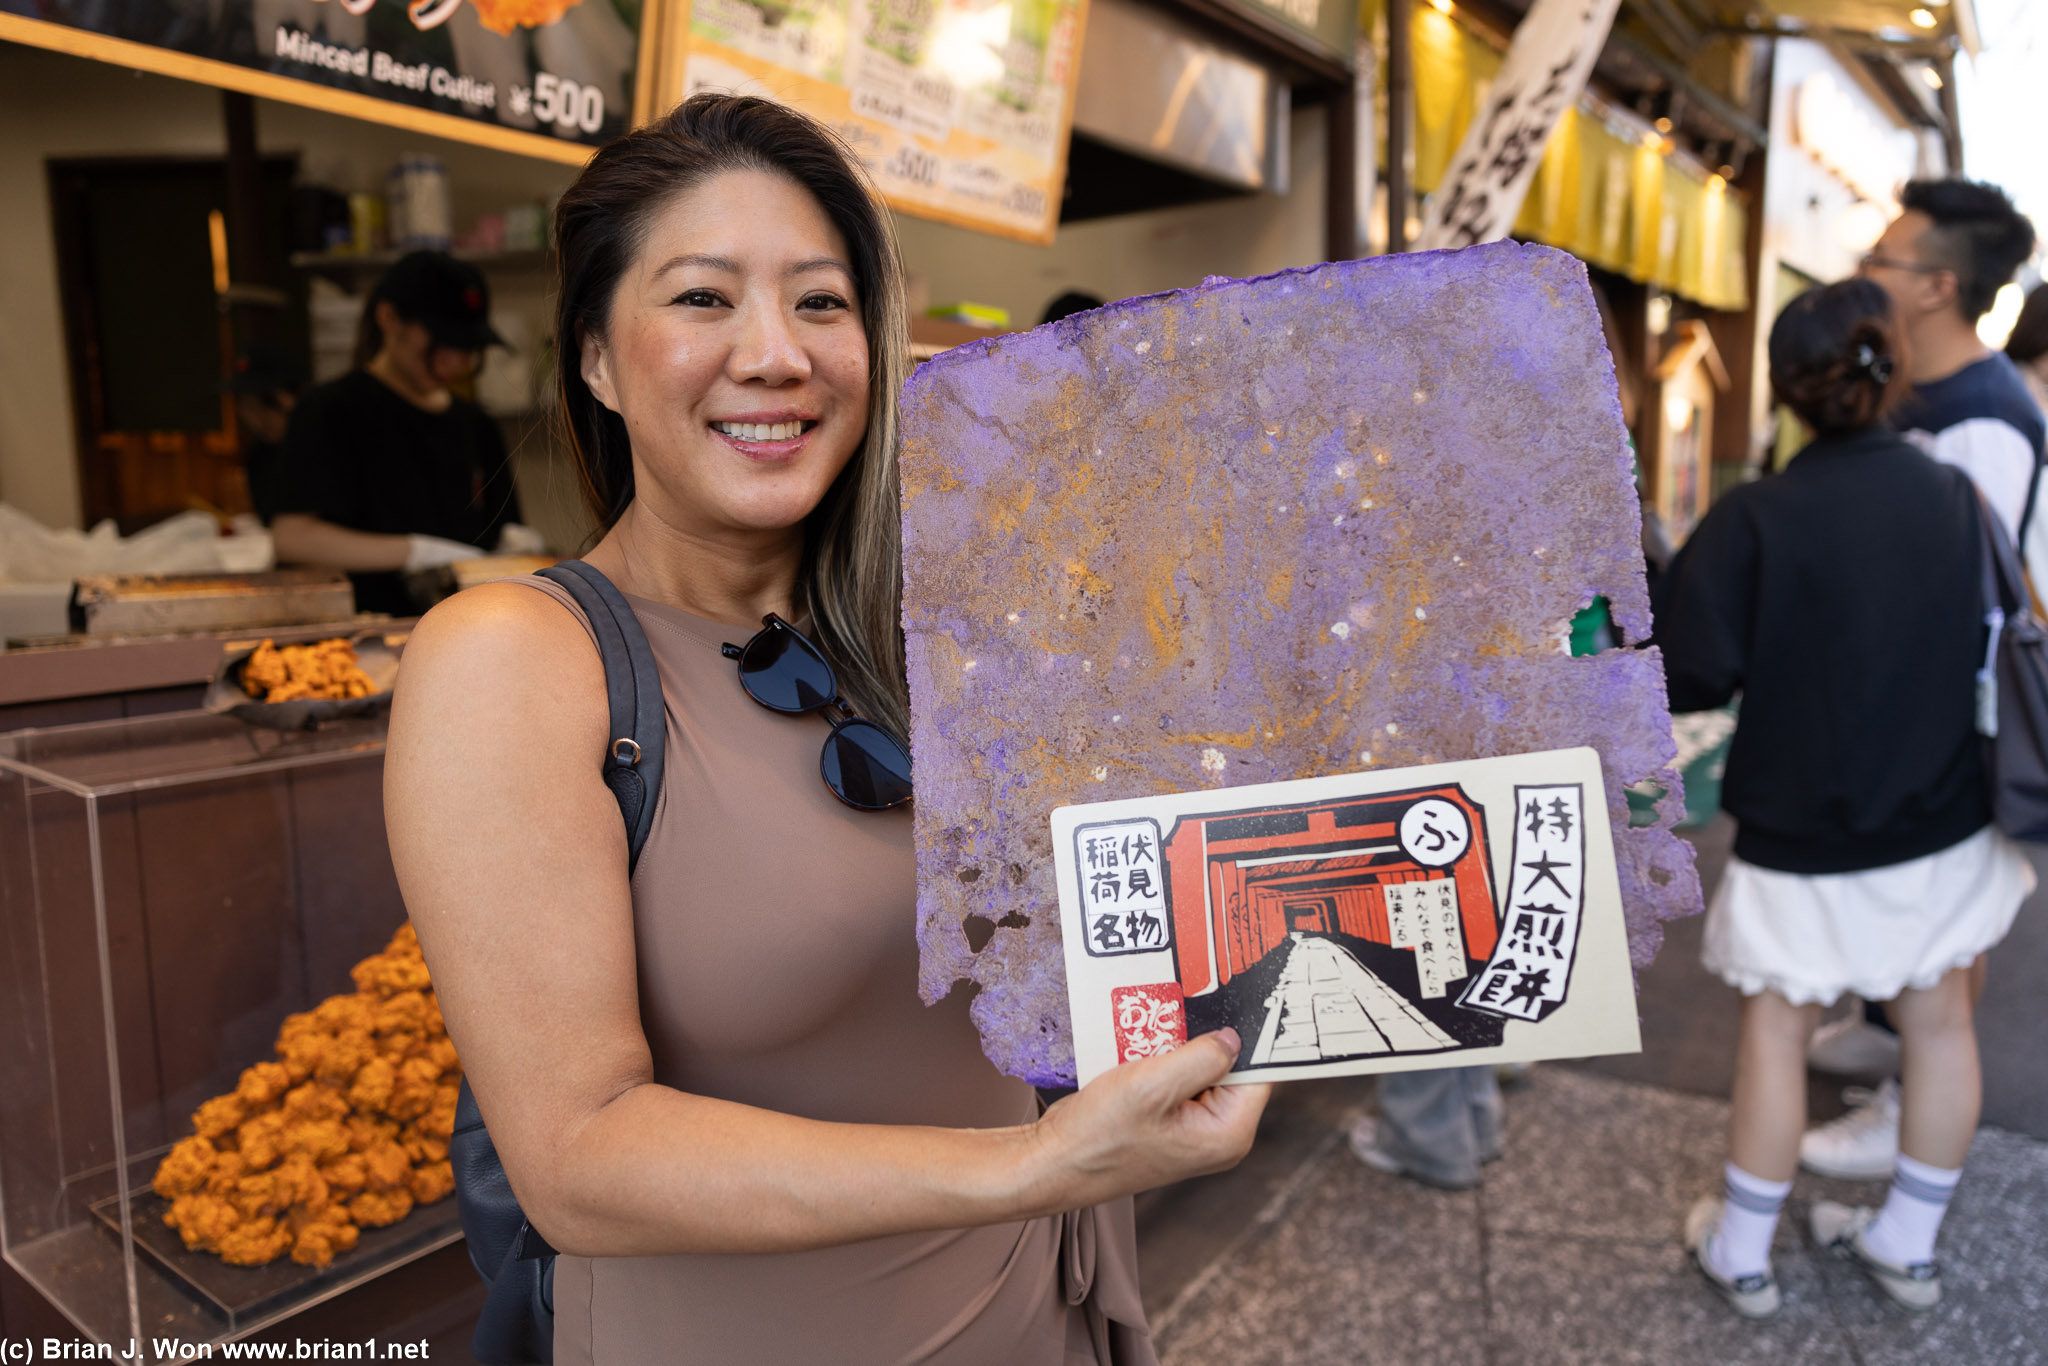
{"x":737,"y":357}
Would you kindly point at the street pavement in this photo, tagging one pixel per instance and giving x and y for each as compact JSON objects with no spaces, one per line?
{"x":1569,"y":1252}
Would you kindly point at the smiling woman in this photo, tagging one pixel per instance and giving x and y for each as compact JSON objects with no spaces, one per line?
{"x":710,"y":1079}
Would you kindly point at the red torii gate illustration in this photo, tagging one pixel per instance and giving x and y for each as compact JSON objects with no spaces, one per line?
{"x":1238,"y":881}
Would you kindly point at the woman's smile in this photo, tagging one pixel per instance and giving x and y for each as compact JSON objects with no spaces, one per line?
{"x":768,"y":437}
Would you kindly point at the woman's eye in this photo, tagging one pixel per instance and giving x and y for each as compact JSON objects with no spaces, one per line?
{"x":698,"y":298}
{"x":822,"y":302}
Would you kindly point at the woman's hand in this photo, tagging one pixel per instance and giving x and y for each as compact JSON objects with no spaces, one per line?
{"x":1147,"y":1123}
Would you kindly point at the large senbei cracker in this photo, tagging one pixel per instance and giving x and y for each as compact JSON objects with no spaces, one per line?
{"x":1333,"y":519}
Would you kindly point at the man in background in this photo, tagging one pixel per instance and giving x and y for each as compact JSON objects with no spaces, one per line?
{"x":1954,"y":245}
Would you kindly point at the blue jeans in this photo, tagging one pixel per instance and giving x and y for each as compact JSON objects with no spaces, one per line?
{"x":1441,"y":1124}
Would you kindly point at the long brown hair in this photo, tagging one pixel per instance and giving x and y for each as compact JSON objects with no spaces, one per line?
{"x":852,"y":578}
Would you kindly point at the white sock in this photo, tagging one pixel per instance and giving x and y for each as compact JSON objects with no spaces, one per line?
{"x":1904,"y":1229}
{"x":1741,"y":1246}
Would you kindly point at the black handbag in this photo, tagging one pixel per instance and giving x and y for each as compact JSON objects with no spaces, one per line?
{"x":517,"y":1327}
{"x":2012,"y":690}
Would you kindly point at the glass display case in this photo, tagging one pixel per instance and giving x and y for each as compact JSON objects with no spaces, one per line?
{"x":171,"y":888}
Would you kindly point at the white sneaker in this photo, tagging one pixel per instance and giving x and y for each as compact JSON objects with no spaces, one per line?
{"x":1862,"y":1145}
{"x":1853,"y":1047}
{"x":1839,"y":1229}
{"x":1755,"y":1296}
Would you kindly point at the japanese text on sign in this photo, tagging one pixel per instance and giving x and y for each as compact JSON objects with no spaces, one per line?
{"x":1545,"y":70}
{"x":1544,"y":894}
{"x":1123,"y":892}
{"x":1423,"y":916}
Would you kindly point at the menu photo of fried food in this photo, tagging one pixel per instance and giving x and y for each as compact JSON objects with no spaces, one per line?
{"x":502,"y":16}
{"x":345,"y":1129}
{"x":325,"y":670}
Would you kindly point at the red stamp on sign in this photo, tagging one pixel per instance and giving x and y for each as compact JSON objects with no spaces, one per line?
{"x":1149,"y":1020}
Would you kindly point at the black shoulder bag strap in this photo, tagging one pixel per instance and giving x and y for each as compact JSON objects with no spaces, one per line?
{"x":516,"y":1327}
{"x":632,"y":766}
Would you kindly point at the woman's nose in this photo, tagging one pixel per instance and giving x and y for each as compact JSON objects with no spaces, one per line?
{"x":768,"y":348}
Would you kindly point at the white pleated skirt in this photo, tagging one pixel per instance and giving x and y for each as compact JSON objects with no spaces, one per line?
{"x":1812,"y":937}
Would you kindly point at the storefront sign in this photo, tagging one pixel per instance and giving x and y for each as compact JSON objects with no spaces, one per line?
{"x":1847,"y":138}
{"x":959,"y":108}
{"x":546,"y":77}
{"x":1545,"y":70}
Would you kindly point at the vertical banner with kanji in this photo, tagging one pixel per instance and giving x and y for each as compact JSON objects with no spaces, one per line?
{"x":1545,"y":70}
{"x":1542,"y":898}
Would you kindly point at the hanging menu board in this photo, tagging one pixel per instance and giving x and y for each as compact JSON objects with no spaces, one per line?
{"x":550,"y":78}
{"x":959,"y":108}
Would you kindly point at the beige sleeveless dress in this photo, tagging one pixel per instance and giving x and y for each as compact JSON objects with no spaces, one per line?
{"x":778,"y":968}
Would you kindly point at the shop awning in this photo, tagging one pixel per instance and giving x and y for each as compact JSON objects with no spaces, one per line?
{"x":1611,"y":189}
{"x":1934,"y":21}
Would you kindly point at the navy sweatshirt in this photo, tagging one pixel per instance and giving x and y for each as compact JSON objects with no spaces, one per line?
{"x":1840,"y":598}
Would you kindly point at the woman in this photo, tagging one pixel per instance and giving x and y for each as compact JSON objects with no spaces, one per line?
{"x":714,"y":1089}
{"x":386,"y":471}
{"x":1841,"y":598}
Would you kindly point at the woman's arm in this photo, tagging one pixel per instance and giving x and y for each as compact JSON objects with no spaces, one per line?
{"x":512,"y":860}
{"x":302,"y":538}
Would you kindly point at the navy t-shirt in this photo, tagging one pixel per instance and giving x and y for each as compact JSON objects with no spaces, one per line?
{"x":1983,"y":421}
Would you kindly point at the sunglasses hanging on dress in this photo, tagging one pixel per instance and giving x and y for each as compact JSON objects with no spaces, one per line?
{"x":865,"y":766}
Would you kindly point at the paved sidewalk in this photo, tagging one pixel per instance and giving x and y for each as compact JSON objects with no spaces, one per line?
{"x":1569,"y":1254}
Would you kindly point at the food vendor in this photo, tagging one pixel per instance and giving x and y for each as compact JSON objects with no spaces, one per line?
{"x":386,"y":471}
{"x":266,"y":384}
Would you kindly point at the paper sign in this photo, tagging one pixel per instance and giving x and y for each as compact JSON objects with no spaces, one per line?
{"x":1449,"y":915}
{"x":1553,"y":51}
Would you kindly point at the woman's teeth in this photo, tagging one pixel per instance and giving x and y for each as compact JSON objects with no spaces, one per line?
{"x":761,"y":431}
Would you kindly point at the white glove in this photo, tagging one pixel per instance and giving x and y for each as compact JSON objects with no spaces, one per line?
{"x":431,"y":552}
{"x":516,"y":538}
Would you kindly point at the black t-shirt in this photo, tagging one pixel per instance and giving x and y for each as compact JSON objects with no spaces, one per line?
{"x":359,"y":456}
{"x":260,"y":463}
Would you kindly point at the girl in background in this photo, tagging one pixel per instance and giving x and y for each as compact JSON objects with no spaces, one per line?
{"x":1841,"y":599}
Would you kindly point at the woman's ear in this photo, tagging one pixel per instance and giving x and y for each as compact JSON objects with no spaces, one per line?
{"x":595,"y":366}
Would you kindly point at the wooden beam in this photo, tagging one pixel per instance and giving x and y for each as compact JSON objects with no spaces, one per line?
{"x":1400,"y":96}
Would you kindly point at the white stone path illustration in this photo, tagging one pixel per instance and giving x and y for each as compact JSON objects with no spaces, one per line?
{"x":1327,"y":1005}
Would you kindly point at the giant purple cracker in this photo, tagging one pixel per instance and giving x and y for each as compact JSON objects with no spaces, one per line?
{"x":1256,"y":531}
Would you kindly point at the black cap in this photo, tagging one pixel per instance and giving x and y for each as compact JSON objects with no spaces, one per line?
{"x":446,"y":296}
{"x":265,"y":368}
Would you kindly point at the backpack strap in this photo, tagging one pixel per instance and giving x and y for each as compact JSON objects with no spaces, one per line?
{"x":633,"y":760}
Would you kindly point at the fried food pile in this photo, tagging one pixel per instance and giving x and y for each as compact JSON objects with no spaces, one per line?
{"x":325,"y":670}
{"x":502,"y":16}
{"x":346,"y":1130}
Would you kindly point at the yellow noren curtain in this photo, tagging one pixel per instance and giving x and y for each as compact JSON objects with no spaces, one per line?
{"x":1614,"y":201}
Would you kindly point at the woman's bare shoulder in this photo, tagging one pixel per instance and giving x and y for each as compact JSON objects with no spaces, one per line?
{"x":502,"y":652}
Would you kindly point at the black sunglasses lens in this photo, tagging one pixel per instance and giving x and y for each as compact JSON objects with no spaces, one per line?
{"x":778,"y":669}
{"x":865,"y":767}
